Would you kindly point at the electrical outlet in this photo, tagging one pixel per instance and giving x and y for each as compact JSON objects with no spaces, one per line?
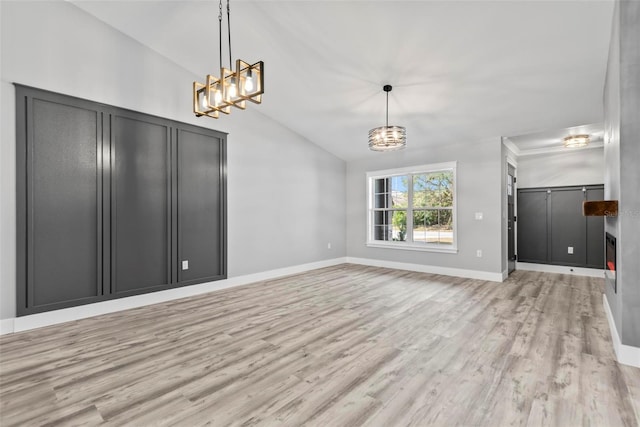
{"x":479,"y":253}
{"x":329,"y":245}
{"x":478,"y":215}
{"x":185,"y":265}
{"x":570,"y":250}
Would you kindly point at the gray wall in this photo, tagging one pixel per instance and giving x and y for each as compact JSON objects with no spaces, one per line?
{"x":478,"y":187}
{"x":286,"y":196}
{"x":622,"y":174}
{"x":577,"y":167}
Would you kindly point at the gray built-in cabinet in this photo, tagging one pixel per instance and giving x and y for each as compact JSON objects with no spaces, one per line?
{"x":550,"y":221}
{"x":110,"y":202}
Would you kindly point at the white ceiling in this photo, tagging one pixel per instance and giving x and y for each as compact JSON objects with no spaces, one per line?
{"x":552,"y":140}
{"x":460,"y":70}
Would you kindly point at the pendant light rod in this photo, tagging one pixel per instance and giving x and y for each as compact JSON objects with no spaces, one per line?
{"x":387,"y":88}
{"x":229,"y":33}
{"x":220,"y":32}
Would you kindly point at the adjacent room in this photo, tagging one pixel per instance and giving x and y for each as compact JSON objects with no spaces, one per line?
{"x":330,"y":213}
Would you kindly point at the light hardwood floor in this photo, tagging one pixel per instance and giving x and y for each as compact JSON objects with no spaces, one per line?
{"x":345,"y":345}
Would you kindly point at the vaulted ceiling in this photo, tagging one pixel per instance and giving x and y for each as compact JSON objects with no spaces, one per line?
{"x":460,"y":70}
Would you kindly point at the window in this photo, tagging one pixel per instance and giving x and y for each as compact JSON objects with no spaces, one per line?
{"x":413,"y":208}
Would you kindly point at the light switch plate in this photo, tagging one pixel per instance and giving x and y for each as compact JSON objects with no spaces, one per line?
{"x":478,"y":215}
{"x":185,"y":264}
{"x":570,"y":250}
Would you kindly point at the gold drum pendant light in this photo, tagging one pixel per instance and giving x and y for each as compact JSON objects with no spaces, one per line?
{"x":234,"y":87}
{"x":387,"y":138}
{"x":576,"y":141}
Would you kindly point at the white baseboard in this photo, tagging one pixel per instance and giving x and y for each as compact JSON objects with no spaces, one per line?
{"x":505,"y":274}
{"x":626,"y":354}
{"x":458,"y":272}
{"x":562,"y":269}
{"x":39,"y":320}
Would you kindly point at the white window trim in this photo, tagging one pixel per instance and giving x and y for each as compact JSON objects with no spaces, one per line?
{"x":412,"y":246}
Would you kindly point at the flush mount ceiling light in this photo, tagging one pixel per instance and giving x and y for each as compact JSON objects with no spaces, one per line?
{"x":233,"y":87}
{"x":576,"y":141}
{"x":387,"y":138}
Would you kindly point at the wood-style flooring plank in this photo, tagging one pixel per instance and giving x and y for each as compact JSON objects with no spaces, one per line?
{"x":347,"y":345}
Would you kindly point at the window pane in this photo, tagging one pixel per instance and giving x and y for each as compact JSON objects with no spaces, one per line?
{"x":390,"y":225}
{"x":433,"y":189}
{"x":381,"y":229}
{"x":399,"y":225}
{"x":445,"y":180}
{"x":446,"y":226}
{"x":381,"y":201}
{"x":380,"y":185}
{"x":425,"y":226}
{"x":380,"y":217}
{"x":381,"y":232}
{"x":381,"y":194}
{"x":424,"y":191}
{"x":399,"y":191}
{"x":433,"y":226}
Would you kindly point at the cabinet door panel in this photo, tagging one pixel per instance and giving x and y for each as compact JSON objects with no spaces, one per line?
{"x":568,"y":227}
{"x":595,"y":233}
{"x":532,"y":226}
{"x":64,"y":206}
{"x":140,"y":204}
{"x":200,"y":215}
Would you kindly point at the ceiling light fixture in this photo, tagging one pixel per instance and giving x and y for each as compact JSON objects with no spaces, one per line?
{"x":233,"y":88}
{"x":576,"y":141}
{"x":387,"y":138}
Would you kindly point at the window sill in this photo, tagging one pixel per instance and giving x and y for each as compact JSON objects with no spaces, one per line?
{"x":412,"y":247}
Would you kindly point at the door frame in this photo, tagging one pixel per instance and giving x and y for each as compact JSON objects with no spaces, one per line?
{"x":510,"y":161}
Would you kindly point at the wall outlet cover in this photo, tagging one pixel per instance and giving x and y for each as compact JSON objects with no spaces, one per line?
{"x":185,"y":264}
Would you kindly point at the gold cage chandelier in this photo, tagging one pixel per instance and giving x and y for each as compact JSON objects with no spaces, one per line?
{"x":387,"y":138}
{"x":233,"y":88}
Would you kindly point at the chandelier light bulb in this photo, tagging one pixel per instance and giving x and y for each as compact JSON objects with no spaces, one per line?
{"x":248,"y":82}
{"x":233,"y":89}
{"x":217,"y":97}
{"x":203,"y":101}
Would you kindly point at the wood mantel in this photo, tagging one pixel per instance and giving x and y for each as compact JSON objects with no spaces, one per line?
{"x":600,"y":208}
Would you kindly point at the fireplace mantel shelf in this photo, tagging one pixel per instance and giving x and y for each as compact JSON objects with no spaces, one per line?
{"x":600,"y":208}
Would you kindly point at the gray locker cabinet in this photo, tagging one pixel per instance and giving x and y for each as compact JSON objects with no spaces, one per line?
{"x":550,"y":221}
{"x":59,"y":217}
{"x":140,"y":203}
{"x":532,"y":226}
{"x":109,"y":200}
{"x":568,"y":227}
{"x":201,"y":201}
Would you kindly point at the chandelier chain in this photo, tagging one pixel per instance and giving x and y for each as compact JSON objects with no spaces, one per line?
{"x":220,"y":31}
{"x":229,"y":33}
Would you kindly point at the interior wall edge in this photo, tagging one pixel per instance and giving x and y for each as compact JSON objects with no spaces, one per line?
{"x":626,"y":354}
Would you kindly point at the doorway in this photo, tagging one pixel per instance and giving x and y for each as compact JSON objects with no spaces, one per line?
{"x":511,"y":219}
